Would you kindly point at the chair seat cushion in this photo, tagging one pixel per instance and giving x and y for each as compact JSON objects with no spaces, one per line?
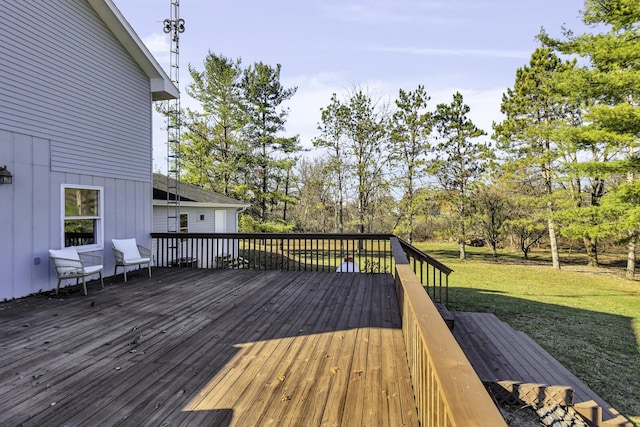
{"x":92,"y":269}
{"x":129,"y":249}
{"x":137,"y":261}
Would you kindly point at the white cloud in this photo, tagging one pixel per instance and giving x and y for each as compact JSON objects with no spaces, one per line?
{"x":158,"y":44}
{"x":511,"y":54}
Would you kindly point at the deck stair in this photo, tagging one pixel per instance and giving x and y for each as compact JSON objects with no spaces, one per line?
{"x":516,"y":370}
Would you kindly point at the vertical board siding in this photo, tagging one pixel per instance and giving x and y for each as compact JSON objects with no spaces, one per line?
{"x":76,"y":109}
{"x":67,"y":79}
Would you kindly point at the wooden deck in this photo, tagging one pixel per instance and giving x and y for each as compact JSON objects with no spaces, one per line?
{"x":209,"y":347}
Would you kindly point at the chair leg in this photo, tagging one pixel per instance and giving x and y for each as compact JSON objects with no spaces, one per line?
{"x":84,"y":285}
{"x":125,"y":274}
{"x":101,"y":281}
{"x":58,"y":287}
{"x":149,"y":269}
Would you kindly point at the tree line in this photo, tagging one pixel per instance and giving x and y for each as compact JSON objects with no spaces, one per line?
{"x":561,"y":164}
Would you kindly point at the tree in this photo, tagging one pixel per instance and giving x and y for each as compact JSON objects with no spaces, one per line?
{"x":332,"y":137}
{"x":366,"y":131}
{"x":533,"y":108}
{"x":410,"y":130}
{"x":213,"y":153}
{"x":458,"y":159}
{"x":263,"y":95}
{"x":609,"y":87}
{"x":492,"y":211}
{"x":316,"y":210}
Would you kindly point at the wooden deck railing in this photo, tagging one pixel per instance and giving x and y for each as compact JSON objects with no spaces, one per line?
{"x":273,"y":251}
{"x":433,"y":274}
{"x":297,"y":251}
{"x":447,"y":390}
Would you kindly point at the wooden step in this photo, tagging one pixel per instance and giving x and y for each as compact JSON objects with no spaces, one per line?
{"x":590,"y":411}
{"x":516,"y":369}
{"x":618,"y":421}
{"x":447,"y":316}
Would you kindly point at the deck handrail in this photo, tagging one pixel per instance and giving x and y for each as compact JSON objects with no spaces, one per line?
{"x":433,"y":274}
{"x":447,"y":390}
{"x":298,"y":251}
{"x":273,"y":251}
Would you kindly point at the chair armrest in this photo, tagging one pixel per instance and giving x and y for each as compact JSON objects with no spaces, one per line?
{"x":92,"y":259}
{"x":144,"y":252}
{"x":119,"y":255}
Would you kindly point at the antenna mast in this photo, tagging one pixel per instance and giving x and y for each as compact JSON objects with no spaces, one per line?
{"x":173,"y":26}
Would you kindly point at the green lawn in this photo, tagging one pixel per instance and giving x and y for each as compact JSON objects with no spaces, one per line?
{"x":588,"y":319}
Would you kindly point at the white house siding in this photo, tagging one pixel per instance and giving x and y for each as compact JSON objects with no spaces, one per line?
{"x":212,"y":224}
{"x":67,"y":79}
{"x":209,"y":225}
{"x":32,"y":223}
{"x":74,"y":109}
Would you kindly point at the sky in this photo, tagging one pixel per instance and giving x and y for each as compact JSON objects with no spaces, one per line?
{"x":381,"y":46}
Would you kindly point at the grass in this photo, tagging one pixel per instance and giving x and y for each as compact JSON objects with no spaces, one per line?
{"x":587,"y":318}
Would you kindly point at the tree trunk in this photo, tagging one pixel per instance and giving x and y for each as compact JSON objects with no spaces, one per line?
{"x":631,"y":258}
{"x":591,"y":246}
{"x":553,"y":242}
{"x":462,"y":250}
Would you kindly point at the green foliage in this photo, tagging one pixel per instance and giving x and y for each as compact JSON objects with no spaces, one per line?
{"x":264,"y":95}
{"x":250,"y":225}
{"x":458,"y":159}
{"x":213,"y":154}
{"x":410,"y":130}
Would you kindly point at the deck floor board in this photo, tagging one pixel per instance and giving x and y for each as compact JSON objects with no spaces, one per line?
{"x":212,"y":347}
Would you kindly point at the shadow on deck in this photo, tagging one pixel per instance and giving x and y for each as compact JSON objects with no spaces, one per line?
{"x":214,"y":347}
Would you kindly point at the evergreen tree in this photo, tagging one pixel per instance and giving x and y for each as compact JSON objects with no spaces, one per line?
{"x":366,"y":133}
{"x":459,"y":159}
{"x":271,"y":153}
{"x":609,"y":89}
{"x":213,"y":151}
{"x":533,"y":110}
{"x":332,"y":137}
{"x":410,"y":131}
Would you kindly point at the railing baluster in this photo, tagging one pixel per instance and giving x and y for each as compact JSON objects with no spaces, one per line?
{"x":300,"y":252}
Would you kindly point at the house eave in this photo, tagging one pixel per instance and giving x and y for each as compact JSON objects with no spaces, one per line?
{"x":203,"y":204}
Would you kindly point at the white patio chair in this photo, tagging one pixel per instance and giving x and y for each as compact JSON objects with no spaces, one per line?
{"x":69,"y":264}
{"x":127,"y":252}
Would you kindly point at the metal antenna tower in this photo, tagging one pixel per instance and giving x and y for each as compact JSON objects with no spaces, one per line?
{"x":174,"y":26}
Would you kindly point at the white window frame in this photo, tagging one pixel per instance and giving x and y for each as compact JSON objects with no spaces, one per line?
{"x":99,"y":244}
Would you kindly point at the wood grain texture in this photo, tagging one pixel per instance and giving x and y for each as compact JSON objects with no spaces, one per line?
{"x":203,"y":347}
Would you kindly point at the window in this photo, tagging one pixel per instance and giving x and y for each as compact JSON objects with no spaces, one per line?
{"x":184,"y":223}
{"x":82,"y":216}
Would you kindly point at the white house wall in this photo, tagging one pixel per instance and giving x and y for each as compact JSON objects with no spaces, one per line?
{"x":65,"y":78}
{"x":75,"y":109}
{"x":209,"y":224}
{"x":32,"y":223}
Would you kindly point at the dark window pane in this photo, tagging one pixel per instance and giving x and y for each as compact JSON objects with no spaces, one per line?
{"x":78,"y":232}
{"x":184,"y":223}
